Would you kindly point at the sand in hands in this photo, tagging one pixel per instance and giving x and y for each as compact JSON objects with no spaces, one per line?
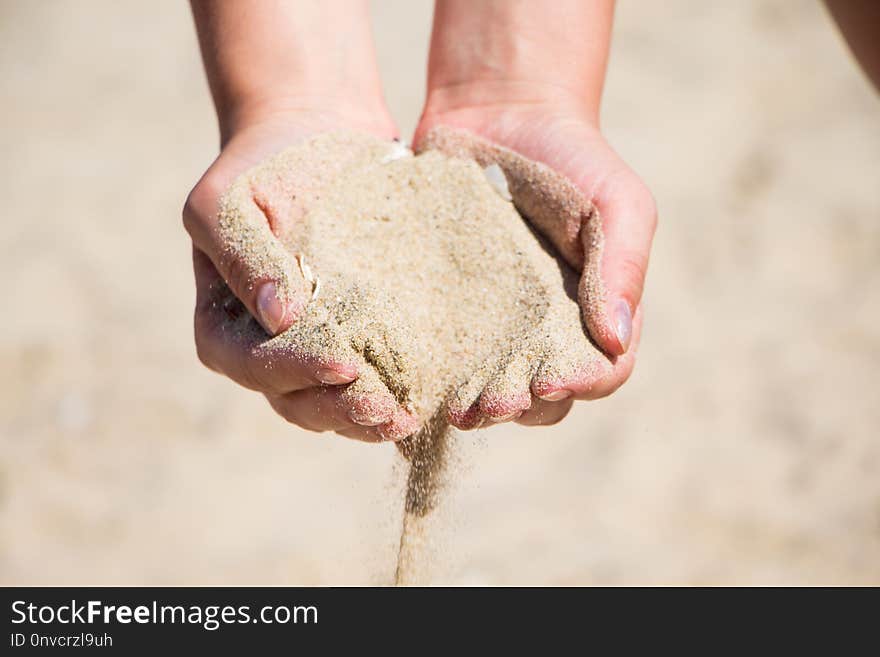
{"x":420,"y":269}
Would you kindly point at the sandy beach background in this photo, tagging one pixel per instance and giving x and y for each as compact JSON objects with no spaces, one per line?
{"x":745,"y":449}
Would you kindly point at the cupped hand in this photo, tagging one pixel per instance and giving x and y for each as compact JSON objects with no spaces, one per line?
{"x":302,"y":387}
{"x":610,"y":245}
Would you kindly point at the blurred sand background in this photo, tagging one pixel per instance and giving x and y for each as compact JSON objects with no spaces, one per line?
{"x":745,"y":449}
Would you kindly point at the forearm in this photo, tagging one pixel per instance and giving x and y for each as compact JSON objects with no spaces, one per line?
{"x":516,"y":51}
{"x":272,"y":56}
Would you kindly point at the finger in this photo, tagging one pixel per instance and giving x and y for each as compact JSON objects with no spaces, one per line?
{"x":545,"y":413}
{"x":507,"y":395}
{"x":322,"y":409}
{"x":591,"y":382}
{"x":229,"y":227}
{"x":463,"y":404}
{"x":616,"y":243}
{"x":606,"y":233}
{"x":621,"y":369}
{"x":371,"y":418}
{"x":465,"y":418}
{"x":229,"y":342}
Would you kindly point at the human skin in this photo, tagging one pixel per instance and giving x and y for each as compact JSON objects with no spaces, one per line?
{"x":859,"y":21}
{"x":512,"y":72}
{"x":530,"y":79}
{"x":269,"y":92}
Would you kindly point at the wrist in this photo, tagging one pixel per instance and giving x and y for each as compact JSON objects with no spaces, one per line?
{"x":498,"y":97}
{"x":501,"y":53}
{"x":316,"y":111}
{"x":269,"y":58}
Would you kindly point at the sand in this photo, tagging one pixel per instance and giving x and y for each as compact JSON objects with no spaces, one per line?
{"x":743,"y":449}
{"x":420,"y":269}
{"x":417,"y":268}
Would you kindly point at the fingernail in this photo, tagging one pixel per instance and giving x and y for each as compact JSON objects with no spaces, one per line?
{"x":269,"y":307}
{"x":332,"y":377}
{"x":365,"y":420}
{"x":623,"y":323}
{"x":556,"y":395}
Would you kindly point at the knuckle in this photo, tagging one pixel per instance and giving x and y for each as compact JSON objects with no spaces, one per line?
{"x":633,"y":268}
{"x":237,"y":277}
{"x":644,"y":203}
{"x":201,"y":203}
{"x":639,"y":197}
{"x":650,"y":210}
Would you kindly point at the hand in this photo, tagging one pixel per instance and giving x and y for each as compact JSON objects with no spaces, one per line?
{"x":612,"y":254}
{"x":529,"y":80}
{"x":305,"y":388}
{"x":275,"y":81}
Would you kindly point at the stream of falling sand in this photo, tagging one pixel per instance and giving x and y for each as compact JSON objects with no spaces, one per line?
{"x":427,"y":452}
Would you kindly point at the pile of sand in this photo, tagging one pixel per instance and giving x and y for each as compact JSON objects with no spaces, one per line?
{"x":421,"y":269}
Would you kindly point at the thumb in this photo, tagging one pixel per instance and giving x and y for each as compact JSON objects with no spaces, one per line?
{"x":230,"y":228}
{"x":617,"y":242}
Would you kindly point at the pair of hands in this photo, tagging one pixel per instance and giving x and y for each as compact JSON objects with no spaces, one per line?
{"x":298,"y":389}
{"x":556,"y":130}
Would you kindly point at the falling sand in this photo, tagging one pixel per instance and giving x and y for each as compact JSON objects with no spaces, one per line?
{"x":419,"y":269}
